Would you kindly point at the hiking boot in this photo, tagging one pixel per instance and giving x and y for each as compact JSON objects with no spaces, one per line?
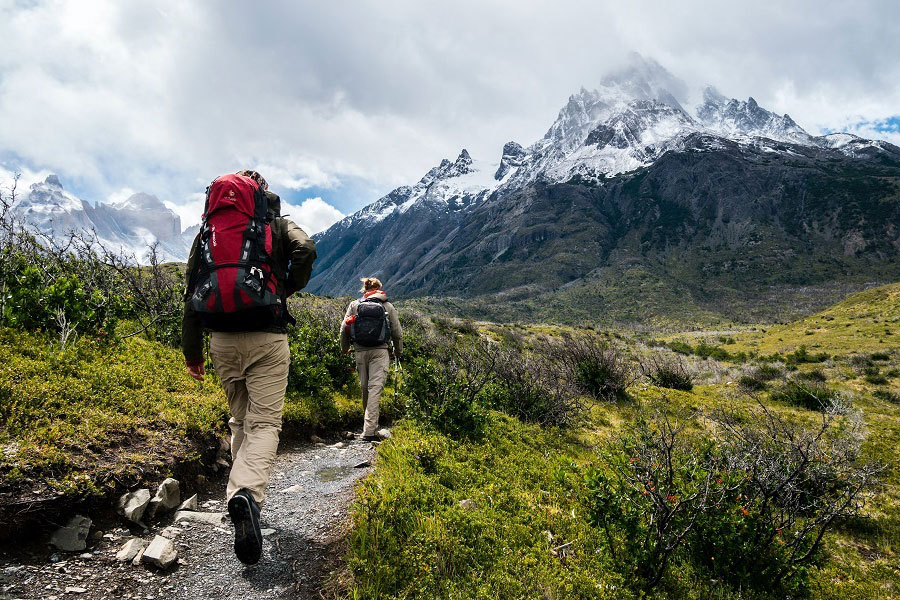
{"x":370,"y":438}
{"x":244,"y":513}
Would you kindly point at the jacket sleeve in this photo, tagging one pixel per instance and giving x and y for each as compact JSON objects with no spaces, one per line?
{"x":191,"y":328}
{"x":300,"y":251}
{"x":345,"y":330}
{"x":396,"y":329}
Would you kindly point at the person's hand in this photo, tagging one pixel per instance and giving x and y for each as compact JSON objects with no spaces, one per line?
{"x":197,"y":372}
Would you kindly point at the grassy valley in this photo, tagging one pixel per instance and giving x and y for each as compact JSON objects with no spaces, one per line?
{"x":519,"y":509}
{"x":531,"y":460}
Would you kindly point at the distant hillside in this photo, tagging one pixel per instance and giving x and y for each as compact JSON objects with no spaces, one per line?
{"x":865,"y":322}
{"x":633,"y":208}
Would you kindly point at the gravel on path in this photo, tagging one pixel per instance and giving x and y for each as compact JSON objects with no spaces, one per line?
{"x":304,"y":522}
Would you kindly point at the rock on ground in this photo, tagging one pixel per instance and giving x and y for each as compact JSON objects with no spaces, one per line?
{"x":190,"y":504}
{"x":213,"y":518}
{"x":160,"y":553}
{"x":132,"y":505}
{"x":73,"y":537}
{"x":167,"y":497}
{"x":130,"y":549}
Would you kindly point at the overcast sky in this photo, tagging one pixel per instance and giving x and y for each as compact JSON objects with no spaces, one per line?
{"x":336,"y":103}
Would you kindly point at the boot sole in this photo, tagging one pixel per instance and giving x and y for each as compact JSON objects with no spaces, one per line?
{"x":247,"y":537}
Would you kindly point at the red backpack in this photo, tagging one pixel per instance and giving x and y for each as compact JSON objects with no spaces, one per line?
{"x":236,"y":285}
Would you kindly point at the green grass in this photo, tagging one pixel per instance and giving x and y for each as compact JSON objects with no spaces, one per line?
{"x":411,"y":538}
{"x":863,"y":323}
{"x":101,"y":416}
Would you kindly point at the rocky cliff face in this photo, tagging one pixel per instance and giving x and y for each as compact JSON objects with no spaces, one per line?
{"x":724,"y":196}
{"x":132,"y":225}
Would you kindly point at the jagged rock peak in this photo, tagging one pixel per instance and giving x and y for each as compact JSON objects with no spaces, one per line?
{"x":513,"y":156}
{"x":53,"y":180}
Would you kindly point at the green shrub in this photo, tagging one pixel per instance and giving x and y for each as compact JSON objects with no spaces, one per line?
{"x":876,"y":379}
{"x":812,"y":395}
{"x":750,"y":383}
{"x":801,"y":355}
{"x":530,"y":388}
{"x":681,"y":347}
{"x":318,"y":366}
{"x":667,"y":373}
{"x":814,"y":375}
{"x":586,"y":363}
{"x":54,"y":300}
{"x":767,"y":372}
{"x":887,"y":396}
{"x":446,"y":396}
{"x":747,"y":505}
{"x":881,"y":356}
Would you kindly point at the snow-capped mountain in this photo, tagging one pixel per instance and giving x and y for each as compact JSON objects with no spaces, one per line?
{"x":131,"y":225}
{"x":633,"y":118}
{"x":626,"y":173}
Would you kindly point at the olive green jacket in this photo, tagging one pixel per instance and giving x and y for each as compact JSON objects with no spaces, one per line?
{"x":291,"y":248}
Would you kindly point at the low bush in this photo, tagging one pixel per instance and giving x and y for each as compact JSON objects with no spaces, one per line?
{"x":749,"y":383}
{"x":766,"y":372}
{"x":814,"y":375}
{"x":597,"y":369}
{"x":887,"y":396}
{"x":860,"y":362}
{"x":876,"y":379}
{"x":747,"y":505}
{"x":528,"y":387}
{"x":447,"y":395}
{"x":812,"y":395}
{"x":801,"y":355}
{"x":880,"y":356}
{"x":318,"y":367}
{"x":667,"y":372}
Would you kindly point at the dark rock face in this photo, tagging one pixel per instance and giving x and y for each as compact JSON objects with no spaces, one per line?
{"x":513,"y":156}
{"x":716,"y":215}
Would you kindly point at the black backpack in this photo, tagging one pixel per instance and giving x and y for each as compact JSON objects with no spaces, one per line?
{"x":372,"y":327}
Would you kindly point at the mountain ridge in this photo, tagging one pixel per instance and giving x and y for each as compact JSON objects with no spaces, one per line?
{"x":131,"y":225}
{"x":627,"y":178}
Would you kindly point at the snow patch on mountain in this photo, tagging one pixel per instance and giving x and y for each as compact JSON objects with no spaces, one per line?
{"x":131,"y":225}
{"x":629,"y":121}
{"x":450,"y":186}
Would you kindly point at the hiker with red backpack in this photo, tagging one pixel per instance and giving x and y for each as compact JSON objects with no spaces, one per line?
{"x":371,"y":324}
{"x":244,"y":264}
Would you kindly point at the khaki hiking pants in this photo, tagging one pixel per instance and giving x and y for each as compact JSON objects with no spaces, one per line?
{"x":253,"y":367}
{"x":372,"y":366}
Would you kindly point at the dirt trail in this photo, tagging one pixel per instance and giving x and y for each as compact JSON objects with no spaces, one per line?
{"x":303,"y":520}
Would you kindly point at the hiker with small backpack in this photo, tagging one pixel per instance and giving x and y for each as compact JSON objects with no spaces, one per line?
{"x":371,"y":325}
{"x":244,"y":264}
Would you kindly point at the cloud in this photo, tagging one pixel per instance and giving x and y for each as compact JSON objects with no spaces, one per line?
{"x":190,"y":211}
{"x":26,"y":176}
{"x":161,"y":97}
{"x":313,"y":215}
{"x":886,"y":129}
